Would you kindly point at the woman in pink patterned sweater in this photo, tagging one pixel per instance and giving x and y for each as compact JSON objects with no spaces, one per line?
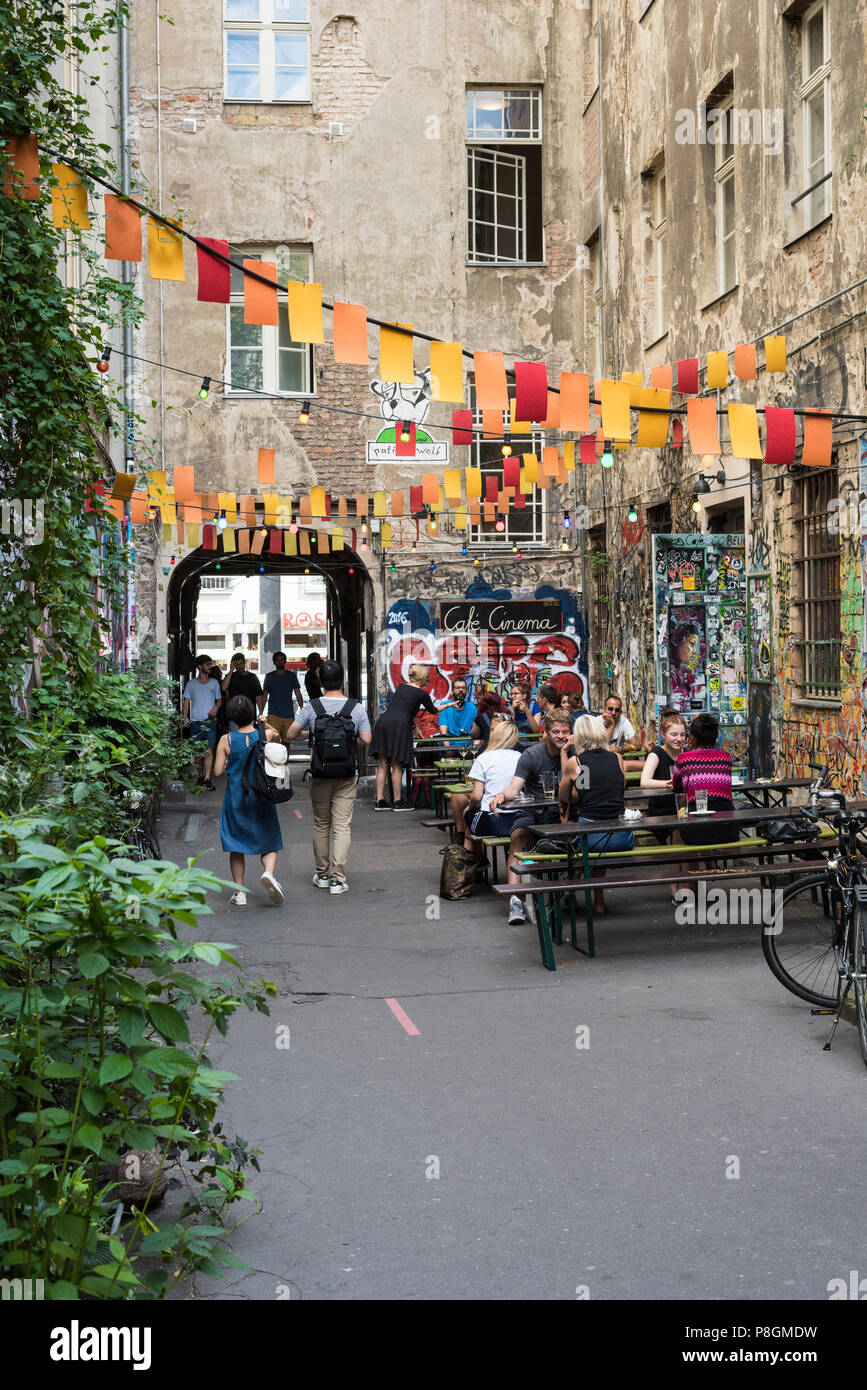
{"x":704,"y":767}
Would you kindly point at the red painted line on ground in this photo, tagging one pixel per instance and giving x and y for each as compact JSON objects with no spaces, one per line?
{"x":298,"y":814}
{"x":402,"y":1018}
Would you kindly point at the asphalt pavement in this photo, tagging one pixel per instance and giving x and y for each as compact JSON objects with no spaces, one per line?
{"x":660,"y":1122}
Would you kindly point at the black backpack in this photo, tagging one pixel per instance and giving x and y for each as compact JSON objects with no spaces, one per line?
{"x":334,"y":740}
{"x":255,"y":774}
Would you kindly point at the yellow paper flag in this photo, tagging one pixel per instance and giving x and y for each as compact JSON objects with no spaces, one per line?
{"x":192,"y":537}
{"x":165,"y":251}
{"x":228,"y":542}
{"x":290,"y":543}
{"x":473,"y":478}
{"x":569,"y":456}
{"x":615,"y":409}
{"x":385,"y":534}
{"x":305,"y":312}
{"x":452,"y":481}
{"x":317,"y":501}
{"x":635,"y":379}
{"x":69,"y":199}
{"x":744,"y":431}
{"x":380,"y":504}
{"x":775,"y":354}
{"x":717,"y":370}
{"x":517,"y":426}
{"x":447,"y":372}
{"x":337,"y":538}
{"x":461,"y":519}
{"x":530,"y":467}
{"x":228,"y":503}
{"x":271,"y":500}
{"x":395,"y":355}
{"x":652,"y":428}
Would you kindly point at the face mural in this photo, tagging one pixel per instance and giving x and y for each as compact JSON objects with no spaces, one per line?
{"x":489,"y":663}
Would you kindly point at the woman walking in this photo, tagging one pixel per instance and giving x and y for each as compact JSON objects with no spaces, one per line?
{"x":392,"y":736}
{"x":248,"y":825}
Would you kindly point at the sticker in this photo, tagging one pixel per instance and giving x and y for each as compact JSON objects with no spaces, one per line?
{"x":738,"y":702}
{"x":713,"y":683}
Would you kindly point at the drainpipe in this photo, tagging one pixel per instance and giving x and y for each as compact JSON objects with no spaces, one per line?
{"x":126,"y":279}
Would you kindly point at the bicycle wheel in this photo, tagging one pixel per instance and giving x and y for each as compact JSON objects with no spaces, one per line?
{"x":859,"y":981}
{"x":804,"y":949}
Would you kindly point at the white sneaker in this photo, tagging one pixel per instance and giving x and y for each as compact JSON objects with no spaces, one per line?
{"x":272,"y":887}
{"x":238,"y":899}
{"x":517,"y":912}
{"x":321,"y":881}
{"x":338,"y":887}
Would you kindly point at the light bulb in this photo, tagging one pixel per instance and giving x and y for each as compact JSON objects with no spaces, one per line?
{"x":632,"y":515}
{"x":507,"y":449}
{"x":261,"y":569}
{"x":567,"y":521}
{"x":205,"y":388}
{"x":432,"y":566}
{"x":607,"y":458}
{"x":405,"y":434}
{"x":500,"y":524}
{"x":102,"y":364}
{"x":293,"y":527}
{"x":696,"y":506}
{"x":463,"y":550}
{"x":222,"y":523}
{"x":564,"y":544}
{"x":414,"y":548}
{"x":475,"y":559}
{"x":304,"y":414}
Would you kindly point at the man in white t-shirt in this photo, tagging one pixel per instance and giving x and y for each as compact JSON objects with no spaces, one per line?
{"x":621,"y":733}
{"x":202,"y":699}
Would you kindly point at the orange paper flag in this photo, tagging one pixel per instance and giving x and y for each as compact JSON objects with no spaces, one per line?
{"x":575,"y":401}
{"x":322,"y":542}
{"x":69,"y":199}
{"x":817,"y":440}
{"x":662,"y":377}
{"x":447,"y":372}
{"x":305,"y":312}
{"x":550,"y":462}
{"x":265,"y":466}
{"x":21,"y":168}
{"x":138,"y":503}
{"x":248,"y":510}
{"x":490,"y":372}
{"x":702,"y":425}
{"x":492,"y":424}
{"x":362,"y":504}
{"x":430,"y":485}
{"x":258,"y":541}
{"x":122,"y":230}
{"x":552,"y":419}
{"x":165,"y":251}
{"x":717,"y":370}
{"x":185,"y":482}
{"x":775,"y":354}
{"x":653,"y":427}
{"x":304,"y":542}
{"x":744,"y":431}
{"x":395,"y":355}
{"x":260,"y":301}
{"x":396,"y":500}
{"x":615,"y":409}
{"x":350,"y":335}
{"x":745,"y":362}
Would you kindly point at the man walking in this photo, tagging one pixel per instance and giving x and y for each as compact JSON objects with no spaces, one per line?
{"x":280,"y":686}
{"x":202,"y":700}
{"x":337,"y":726}
{"x":240,"y":681}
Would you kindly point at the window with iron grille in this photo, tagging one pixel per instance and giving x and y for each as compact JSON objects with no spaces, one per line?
{"x":504,"y":176}
{"x":526,"y":524}
{"x":819,"y":563}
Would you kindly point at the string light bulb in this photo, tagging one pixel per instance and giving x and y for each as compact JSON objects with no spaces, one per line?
{"x":564,"y":544}
{"x":205,"y":388}
{"x":607,"y":457}
{"x":475,"y":559}
{"x":433,"y":524}
{"x":102,"y":364}
{"x":433,"y":565}
{"x":414,"y":548}
{"x":351,"y":570}
{"x":696,"y":505}
{"x":499,"y":524}
{"x":306,"y":569}
{"x":405,"y":433}
{"x":464,"y":550}
{"x":293,"y":527}
{"x":507,"y":448}
{"x":567,"y":521}
{"x":222,"y":523}
{"x":632,"y":514}
{"x":261,"y":569}
{"x":392,"y":569}
{"x":304,"y":414}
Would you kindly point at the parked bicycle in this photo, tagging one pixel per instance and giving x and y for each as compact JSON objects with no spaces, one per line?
{"x":141,"y":832}
{"x":818,"y":945}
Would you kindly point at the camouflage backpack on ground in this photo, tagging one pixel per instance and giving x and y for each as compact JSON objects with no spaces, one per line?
{"x":459,"y":872}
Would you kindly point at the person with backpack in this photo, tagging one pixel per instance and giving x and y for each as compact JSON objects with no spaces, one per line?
{"x":337,"y":725}
{"x":248,"y":822}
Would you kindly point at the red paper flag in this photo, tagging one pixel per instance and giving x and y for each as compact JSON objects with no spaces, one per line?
{"x":780,"y":436}
{"x":462,"y":427}
{"x":21,"y":168}
{"x":214,"y":274}
{"x":275,"y":540}
{"x":817,"y":440}
{"x":687,"y":376}
{"x":520,"y":500}
{"x":492,"y":487}
{"x":122,"y":230}
{"x":416,"y":501}
{"x":677,"y":433}
{"x":587,"y":448}
{"x":404,"y":449}
{"x":209,"y":537}
{"x":511,"y":472}
{"x":531,"y":392}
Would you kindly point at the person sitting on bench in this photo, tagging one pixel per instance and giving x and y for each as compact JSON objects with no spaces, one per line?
{"x":543,"y":758}
{"x":492,"y":770}
{"x":598,"y":782}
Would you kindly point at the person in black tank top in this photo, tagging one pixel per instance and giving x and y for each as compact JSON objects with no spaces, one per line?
{"x":599,"y":782}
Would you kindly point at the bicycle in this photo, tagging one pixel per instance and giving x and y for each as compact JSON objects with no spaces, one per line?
{"x":141,"y":835}
{"x":817,"y":946}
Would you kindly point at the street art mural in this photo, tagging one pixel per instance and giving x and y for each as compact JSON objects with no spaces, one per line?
{"x":490,"y":660}
{"x":701,"y":631}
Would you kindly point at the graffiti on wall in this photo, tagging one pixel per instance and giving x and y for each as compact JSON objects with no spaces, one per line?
{"x":490,"y":663}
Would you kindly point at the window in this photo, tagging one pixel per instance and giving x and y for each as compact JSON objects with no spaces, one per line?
{"x":267,"y":50}
{"x":819,"y":563}
{"x":657,"y":321}
{"x":504,"y":176}
{"x":265,"y":358}
{"x":724,"y":177}
{"x":816,"y":117}
{"x":526,"y":524}
{"x":217,"y":583}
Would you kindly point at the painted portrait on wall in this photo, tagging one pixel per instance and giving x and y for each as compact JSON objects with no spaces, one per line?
{"x":687,"y":657}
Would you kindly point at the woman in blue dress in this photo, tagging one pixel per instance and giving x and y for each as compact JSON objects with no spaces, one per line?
{"x":248,"y":825}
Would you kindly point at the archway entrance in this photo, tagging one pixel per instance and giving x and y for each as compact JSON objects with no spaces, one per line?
{"x":346,"y":625}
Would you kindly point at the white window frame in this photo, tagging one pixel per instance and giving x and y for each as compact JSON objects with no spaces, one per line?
{"x":267,"y":28}
{"x":477,"y":537}
{"x":270,"y":335}
{"x":499,"y":159}
{"x":817,"y":205}
{"x":487,"y":136}
{"x":724,"y":174}
{"x":660,"y":249}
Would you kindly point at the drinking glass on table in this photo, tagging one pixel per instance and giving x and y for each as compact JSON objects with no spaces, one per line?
{"x":682,"y":804}
{"x":701,"y":802}
{"x":549,"y":785}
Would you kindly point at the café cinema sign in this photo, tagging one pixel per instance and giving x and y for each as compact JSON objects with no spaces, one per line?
{"x":535,"y":617}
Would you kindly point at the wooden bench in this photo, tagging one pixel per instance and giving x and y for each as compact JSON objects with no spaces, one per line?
{"x":752,"y":847}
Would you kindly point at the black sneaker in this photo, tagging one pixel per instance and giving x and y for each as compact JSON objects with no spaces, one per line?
{"x":209,"y":786}
{"x":200,"y":781}
{"x":403,"y":806}
{"x":381,"y":806}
